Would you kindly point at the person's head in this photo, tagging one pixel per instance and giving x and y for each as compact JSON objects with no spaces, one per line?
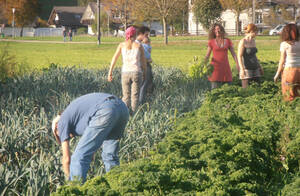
{"x":251,"y":29}
{"x":130,"y":33}
{"x":217,"y":30}
{"x":146,"y":40}
{"x":290,"y":33}
{"x":142,"y":32}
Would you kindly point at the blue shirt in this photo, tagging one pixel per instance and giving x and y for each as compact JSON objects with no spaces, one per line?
{"x":76,"y":116}
{"x":147,"y":49}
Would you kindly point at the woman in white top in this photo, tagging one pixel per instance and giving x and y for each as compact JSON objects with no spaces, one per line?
{"x":133,"y":69}
{"x":289,"y":64}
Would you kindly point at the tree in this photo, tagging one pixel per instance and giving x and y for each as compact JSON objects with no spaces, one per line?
{"x":84,"y":2}
{"x":166,"y":9}
{"x":207,"y":11}
{"x":144,"y":14}
{"x":103,"y":23}
{"x":122,"y":8}
{"x":236,"y":6}
{"x":271,"y":19}
{"x":26,"y":11}
{"x":285,"y":14}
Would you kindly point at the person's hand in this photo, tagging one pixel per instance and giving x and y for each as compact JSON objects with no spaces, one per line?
{"x":276,"y":77}
{"x":109,"y":78}
{"x":238,"y":68}
{"x":261,"y":71}
{"x":242,"y":73}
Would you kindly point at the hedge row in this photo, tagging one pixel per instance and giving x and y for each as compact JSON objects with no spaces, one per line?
{"x":240,"y":142}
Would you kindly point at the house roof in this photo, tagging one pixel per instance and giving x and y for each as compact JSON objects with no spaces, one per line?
{"x":91,"y":10}
{"x":68,"y":16}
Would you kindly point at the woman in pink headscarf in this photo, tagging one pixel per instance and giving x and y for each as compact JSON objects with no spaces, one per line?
{"x":133,"y":69}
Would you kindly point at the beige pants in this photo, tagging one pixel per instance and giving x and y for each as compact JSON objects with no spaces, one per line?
{"x":131,"y":83}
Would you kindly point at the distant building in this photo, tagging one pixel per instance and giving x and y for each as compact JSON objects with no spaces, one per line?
{"x":89,"y":17}
{"x":68,"y":17}
{"x":228,"y":17}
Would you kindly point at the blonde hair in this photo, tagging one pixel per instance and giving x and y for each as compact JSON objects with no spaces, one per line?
{"x":250,"y":28}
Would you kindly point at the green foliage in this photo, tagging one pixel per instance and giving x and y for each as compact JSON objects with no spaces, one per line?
{"x":199,"y":69}
{"x":30,"y":159}
{"x":207,"y":11}
{"x":292,"y":188}
{"x":81,"y":31}
{"x":8,"y":66}
{"x":240,"y":142}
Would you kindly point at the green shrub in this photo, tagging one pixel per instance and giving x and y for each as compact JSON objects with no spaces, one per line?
{"x":232,"y":145}
{"x":9,"y":67}
{"x":30,"y":159}
{"x":81,"y":31}
{"x":7,"y":64}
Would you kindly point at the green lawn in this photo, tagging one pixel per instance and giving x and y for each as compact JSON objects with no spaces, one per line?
{"x":176,"y":54}
{"x":87,"y":38}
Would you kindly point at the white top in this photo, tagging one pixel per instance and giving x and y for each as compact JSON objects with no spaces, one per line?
{"x":292,"y":53}
{"x":131,"y":60}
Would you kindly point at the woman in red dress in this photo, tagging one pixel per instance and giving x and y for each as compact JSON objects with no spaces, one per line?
{"x":220,"y":45}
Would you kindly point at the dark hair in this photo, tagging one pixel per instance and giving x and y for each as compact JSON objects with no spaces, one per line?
{"x":142,"y":30}
{"x":212,"y":34}
{"x":290,"y":33}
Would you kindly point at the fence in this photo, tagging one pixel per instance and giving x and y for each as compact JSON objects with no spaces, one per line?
{"x":203,"y":32}
{"x":32,"y":32}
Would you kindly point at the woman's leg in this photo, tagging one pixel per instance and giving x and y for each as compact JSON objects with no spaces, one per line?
{"x":135,"y":90}
{"x":245,"y":83}
{"x":126,"y":84}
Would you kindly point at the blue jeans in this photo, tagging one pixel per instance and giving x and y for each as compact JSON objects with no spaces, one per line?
{"x":105,"y":128}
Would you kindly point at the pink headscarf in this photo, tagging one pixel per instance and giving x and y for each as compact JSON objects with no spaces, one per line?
{"x":130,"y":32}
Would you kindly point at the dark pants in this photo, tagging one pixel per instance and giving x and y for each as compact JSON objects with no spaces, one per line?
{"x":147,"y":85}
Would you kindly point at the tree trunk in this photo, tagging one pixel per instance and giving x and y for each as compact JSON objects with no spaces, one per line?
{"x":125,"y":12}
{"x":21,"y":33}
{"x":237,"y":23}
{"x":165,"y":30}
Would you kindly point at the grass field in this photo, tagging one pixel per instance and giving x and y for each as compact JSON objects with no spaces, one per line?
{"x":30,"y":160}
{"x":87,"y":38}
{"x":179,"y":52}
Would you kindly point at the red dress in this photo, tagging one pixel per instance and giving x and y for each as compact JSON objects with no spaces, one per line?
{"x":222,"y":71}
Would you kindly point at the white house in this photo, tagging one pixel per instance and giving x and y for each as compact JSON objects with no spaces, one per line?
{"x":228,"y":18}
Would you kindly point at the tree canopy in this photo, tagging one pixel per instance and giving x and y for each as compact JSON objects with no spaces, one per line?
{"x":25,"y":11}
{"x":237,"y":6}
{"x":207,"y":12}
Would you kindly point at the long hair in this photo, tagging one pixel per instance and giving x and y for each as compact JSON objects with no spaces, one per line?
{"x":290,"y":33}
{"x":212,"y":34}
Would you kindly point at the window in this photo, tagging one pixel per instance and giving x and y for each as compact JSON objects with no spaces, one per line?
{"x":258,"y":18}
{"x":223,"y":23}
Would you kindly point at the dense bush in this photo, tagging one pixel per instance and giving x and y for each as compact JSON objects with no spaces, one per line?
{"x":9,"y":67}
{"x":240,"y":142}
{"x":30,"y":160}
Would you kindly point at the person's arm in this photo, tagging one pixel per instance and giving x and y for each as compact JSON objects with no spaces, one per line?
{"x":66,"y":158}
{"x":241,"y":49}
{"x":208,"y":52}
{"x":113,"y":62}
{"x":280,"y":65}
{"x":143,"y":61}
{"x":234,"y":57}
